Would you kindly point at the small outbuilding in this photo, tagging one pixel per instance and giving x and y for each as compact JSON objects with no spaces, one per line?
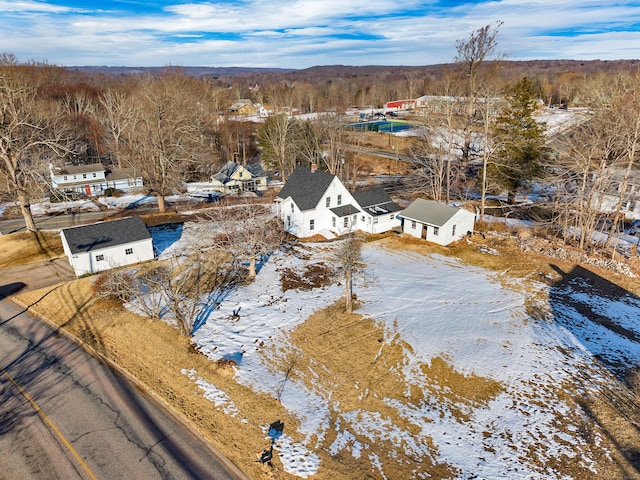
{"x":104,"y":245}
{"x":436,"y":222}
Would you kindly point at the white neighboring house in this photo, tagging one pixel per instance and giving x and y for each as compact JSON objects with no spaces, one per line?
{"x":436,"y":222}
{"x":378,"y":213}
{"x":312,"y":201}
{"x":104,"y":245}
{"x":92,"y":179}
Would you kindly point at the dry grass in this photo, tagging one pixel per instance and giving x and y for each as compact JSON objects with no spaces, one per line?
{"x":29,"y":247}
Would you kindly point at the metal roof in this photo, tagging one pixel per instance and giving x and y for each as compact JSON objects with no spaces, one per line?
{"x":429,"y":212}
{"x":97,"y":236}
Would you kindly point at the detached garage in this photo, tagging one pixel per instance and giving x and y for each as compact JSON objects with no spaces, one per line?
{"x":104,"y":245}
{"x":436,"y":222}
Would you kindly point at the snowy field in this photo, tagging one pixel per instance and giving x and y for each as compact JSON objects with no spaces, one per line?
{"x":439,"y":308}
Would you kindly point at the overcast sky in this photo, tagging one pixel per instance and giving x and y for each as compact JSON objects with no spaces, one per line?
{"x":304,"y":33}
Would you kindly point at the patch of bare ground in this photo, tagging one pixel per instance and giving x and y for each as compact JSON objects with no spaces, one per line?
{"x":350,"y":361}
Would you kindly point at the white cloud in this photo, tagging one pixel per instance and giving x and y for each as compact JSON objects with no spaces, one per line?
{"x":302,"y":33}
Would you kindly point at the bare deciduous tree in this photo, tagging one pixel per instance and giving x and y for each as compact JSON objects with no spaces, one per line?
{"x":247,"y":233}
{"x":278,"y":137}
{"x":471,"y":54}
{"x":165,"y":139}
{"x":349,"y":262}
{"x":31,"y":127}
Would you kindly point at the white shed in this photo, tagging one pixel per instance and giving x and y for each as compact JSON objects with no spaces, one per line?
{"x":436,"y":222}
{"x":104,"y":245}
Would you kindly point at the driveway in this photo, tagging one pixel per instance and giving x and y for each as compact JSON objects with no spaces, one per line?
{"x":34,"y":276}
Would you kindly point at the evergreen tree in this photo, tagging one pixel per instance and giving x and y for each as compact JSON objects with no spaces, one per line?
{"x":520,"y":151}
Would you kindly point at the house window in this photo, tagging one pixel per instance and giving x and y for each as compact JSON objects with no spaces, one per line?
{"x":84,"y":175}
{"x":436,"y":230}
{"x":328,"y":202}
{"x":362,"y":218}
{"x":128,"y":251}
{"x":66,"y":178}
{"x":413,"y":224}
{"x":292,"y":206}
{"x":333,"y":222}
{"x":392,"y":217}
{"x":375,"y":220}
{"x":354,"y":219}
{"x":95,"y":175}
{"x":312,"y":224}
{"x":453,"y":230}
{"x":346,"y":222}
{"x":339,"y":199}
{"x":99,"y":258}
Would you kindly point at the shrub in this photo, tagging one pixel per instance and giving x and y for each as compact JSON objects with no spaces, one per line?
{"x":116,"y":285}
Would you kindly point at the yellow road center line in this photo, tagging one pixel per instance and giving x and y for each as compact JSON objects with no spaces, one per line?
{"x":53,"y":427}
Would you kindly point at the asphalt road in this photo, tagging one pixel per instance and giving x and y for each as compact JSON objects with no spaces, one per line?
{"x":51,"y":222}
{"x":65,"y":415}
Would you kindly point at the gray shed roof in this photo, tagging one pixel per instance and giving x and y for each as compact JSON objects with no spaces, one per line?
{"x":375,"y":201}
{"x":305,"y":187}
{"x":429,"y":212}
{"x":96,"y":236}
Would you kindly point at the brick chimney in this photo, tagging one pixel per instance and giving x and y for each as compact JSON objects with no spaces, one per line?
{"x":314,"y":167}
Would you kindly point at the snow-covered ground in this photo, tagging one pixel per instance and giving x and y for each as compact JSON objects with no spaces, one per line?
{"x":440,"y":308}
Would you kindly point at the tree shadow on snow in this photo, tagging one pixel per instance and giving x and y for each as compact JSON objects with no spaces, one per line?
{"x":605,"y":320}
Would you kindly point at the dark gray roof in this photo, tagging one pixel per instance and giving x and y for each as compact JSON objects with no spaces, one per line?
{"x":228,"y":169}
{"x":375,"y":201}
{"x":255,"y":169}
{"x":119,"y":174}
{"x":305,"y":187}
{"x":429,"y":211}
{"x":344,"y":210}
{"x":101,"y":235}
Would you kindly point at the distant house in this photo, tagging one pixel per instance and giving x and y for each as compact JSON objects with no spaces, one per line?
{"x":234,"y":178}
{"x":436,"y":222}
{"x":312,"y":201}
{"x":92,"y":179}
{"x":608,"y":201}
{"x":244,"y":106}
{"x":378,"y":213}
{"x":104,"y":245}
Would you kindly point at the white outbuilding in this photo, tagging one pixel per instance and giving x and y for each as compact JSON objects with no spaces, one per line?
{"x":100,"y":246}
{"x":436,"y":222}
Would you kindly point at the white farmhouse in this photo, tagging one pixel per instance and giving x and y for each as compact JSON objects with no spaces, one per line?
{"x":312,"y":201}
{"x":104,"y":245}
{"x":436,"y":222}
